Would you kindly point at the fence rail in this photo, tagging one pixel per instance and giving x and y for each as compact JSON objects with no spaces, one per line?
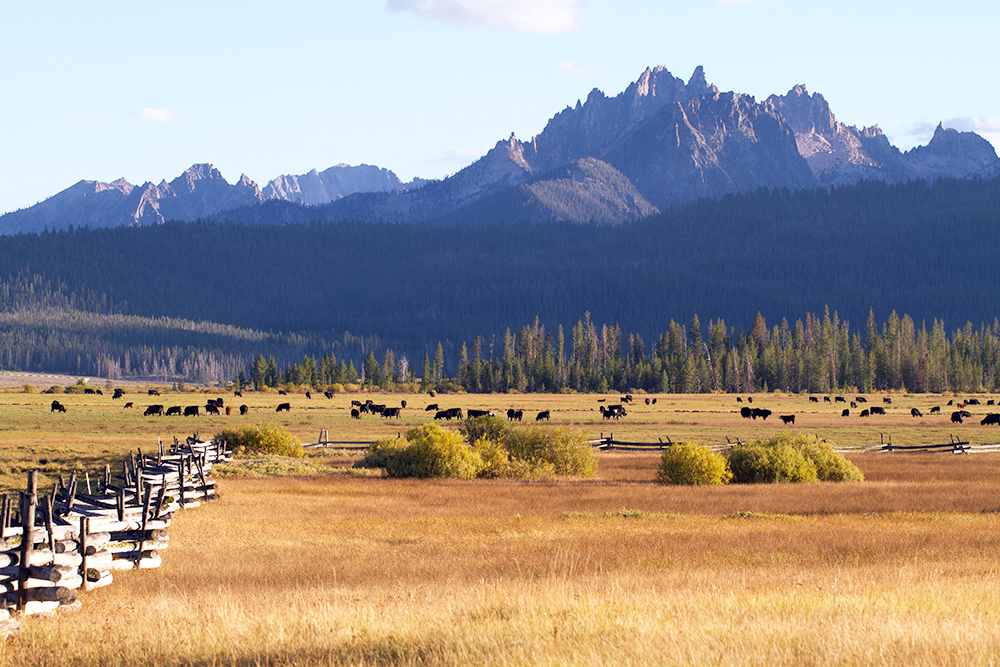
{"x":74,"y":537}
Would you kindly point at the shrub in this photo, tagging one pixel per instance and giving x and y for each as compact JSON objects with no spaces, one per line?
{"x":688,"y":463}
{"x":770,"y":462}
{"x":261,"y":439}
{"x":381,"y":451}
{"x":831,"y":465}
{"x":54,"y":389}
{"x":434,"y":452}
{"x":533,"y":451}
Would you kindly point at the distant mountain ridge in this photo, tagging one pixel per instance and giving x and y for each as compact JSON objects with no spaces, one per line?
{"x":608,"y":160}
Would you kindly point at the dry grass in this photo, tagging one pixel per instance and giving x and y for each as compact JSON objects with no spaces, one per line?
{"x":328,"y":569}
{"x":335,"y":569}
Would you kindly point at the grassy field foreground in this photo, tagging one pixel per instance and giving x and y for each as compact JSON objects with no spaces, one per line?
{"x":338,"y":569}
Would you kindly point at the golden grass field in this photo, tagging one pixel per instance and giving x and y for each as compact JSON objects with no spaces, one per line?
{"x":338,"y":568}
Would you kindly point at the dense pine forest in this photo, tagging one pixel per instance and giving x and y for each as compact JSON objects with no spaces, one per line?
{"x":203,"y":300}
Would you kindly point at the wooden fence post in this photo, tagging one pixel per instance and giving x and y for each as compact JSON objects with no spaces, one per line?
{"x":28,"y":501}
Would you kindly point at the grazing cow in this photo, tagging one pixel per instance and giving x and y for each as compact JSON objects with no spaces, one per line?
{"x":787,"y":419}
{"x":390,"y":412}
{"x":376,"y":408}
{"x":839,"y":399}
{"x":738,"y":399}
{"x":601,"y":400}
{"x":129,"y":405}
{"x":173,"y":410}
{"x":473,"y":413}
{"x":746,"y":412}
{"x":355,"y":403}
{"x":877,"y":410}
{"x":328,"y":394}
{"x":431,"y":393}
{"x":853,"y":404}
{"x":845,"y":413}
{"x":860,"y":399}
{"x":244,"y":409}
{"x":152,"y":392}
{"x":813,"y":399}
{"x":309,"y":395}
{"x":282,"y":392}
{"x":100,"y":393}
{"x":510,"y":414}
{"x":57,"y":407}
{"x":864,"y":413}
{"x":956,"y":417}
{"x":238,"y":393}
{"x":991,"y":402}
{"x":966,"y":414}
{"x":442,"y":414}
{"x":283,"y":407}
{"x":355,"y":413}
{"x":613,"y":412}
{"x":211,"y":408}
{"x":544,"y":414}
{"x":760,"y":412}
{"x":118,"y":393}
{"x":153,"y":410}
{"x":887,"y":400}
{"x":402,"y":404}
{"x":229,"y":410}
{"x":213,"y":402}
{"x":936,"y":408}
{"x":915,"y":413}
{"x":972,"y":401}
{"x":218,"y":402}
{"x":826,"y":399}
{"x":88,"y":390}
{"x":949,"y":402}
{"x":654,"y":401}
{"x":749,"y":399}
{"x":518,"y":414}
{"x":432,"y":406}
{"x":991,"y":418}
{"x":192,"y":411}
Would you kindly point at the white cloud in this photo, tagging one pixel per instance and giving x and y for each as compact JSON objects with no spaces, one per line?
{"x":538,"y":16}
{"x":569,"y":68}
{"x":156,"y":115}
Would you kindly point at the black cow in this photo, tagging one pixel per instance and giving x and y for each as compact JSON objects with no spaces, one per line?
{"x":510,"y":414}
{"x":357,"y":403}
{"x":192,"y":411}
{"x":972,"y":401}
{"x":749,"y":399}
{"x":432,"y":406}
{"x":654,"y":401}
{"x":355,"y":413}
{"x":402,"y":404}
{"x":153,"y":410}
{"x":283,"y":407}
{"x":431,"y":393}
{"x":119,"y":393}
{"x":152,"y":392}
{"x":309,"y":395}
{"x":887,"y":400}
{"x":282,"y":392}
{"x":878,"y":410}
{"x":839,"y":399}
{"x":826,"y":399}
{"x":845,"y":413}
{"x":173,"y":410}
{"x":864,"y":413}
{"x":219,"y":402}
{"x":88,"y":390}
{"x":950,"y":402}
{"x":853,"y":404}
{"x":376,"y":409}
{"x":936,"y":408}
{"x":57,"y":407}
{"x":613,"y":412}
{"x":745,"y":412}
{"x":738,"y":399}
{"x":544,"y":414}
{"x":915,"y":413}
{"x":390,"y":412}
{"x":787,"y":419}
{"x":956,"y":417}
{"x":100,"y":393}
{"x":244,"y":409}
{"x":238,"y":393}
{"x":473,"y":413}
{"x":991,"y":418}
{"x":813,"y":399}
{"x":991,"y":402}
{"x":328,"y":394}
{"x":860,"y":399}
{"x":760,"y":412}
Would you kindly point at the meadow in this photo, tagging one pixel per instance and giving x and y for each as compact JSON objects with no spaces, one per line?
{"x":337,"y":566}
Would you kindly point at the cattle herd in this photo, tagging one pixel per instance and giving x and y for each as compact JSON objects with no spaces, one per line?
{"x":957,"y":417}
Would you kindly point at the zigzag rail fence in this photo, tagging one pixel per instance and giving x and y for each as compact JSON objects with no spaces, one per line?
{"x":72,"y":538}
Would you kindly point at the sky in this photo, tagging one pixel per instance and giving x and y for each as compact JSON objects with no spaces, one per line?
{"x":104,"y":90}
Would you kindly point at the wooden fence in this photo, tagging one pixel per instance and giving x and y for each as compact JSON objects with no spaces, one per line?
{"x":74,"y":537}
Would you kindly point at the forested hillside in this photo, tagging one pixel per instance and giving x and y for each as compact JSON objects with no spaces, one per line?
{"x":927,"y":250}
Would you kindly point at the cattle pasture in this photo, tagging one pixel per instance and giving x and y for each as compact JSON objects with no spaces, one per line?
{"x":333,"y":568}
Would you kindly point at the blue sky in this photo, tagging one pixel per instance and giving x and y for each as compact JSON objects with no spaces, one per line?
{"x":104,"y":90}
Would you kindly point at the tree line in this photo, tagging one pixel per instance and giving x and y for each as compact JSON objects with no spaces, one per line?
{"x":815,"y":354}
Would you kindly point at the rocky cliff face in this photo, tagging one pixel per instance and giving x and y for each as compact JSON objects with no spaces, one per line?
{"x":337,"y":182}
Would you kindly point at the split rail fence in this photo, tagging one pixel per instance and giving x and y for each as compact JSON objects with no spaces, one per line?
{"x":72,"y":538}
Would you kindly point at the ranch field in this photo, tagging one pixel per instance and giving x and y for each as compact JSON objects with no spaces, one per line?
{"x":335,"y":566}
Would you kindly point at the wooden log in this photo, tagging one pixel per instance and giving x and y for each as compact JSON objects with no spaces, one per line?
{"x":100,"y":579}
{"x":28,"y":500}
{"x":60,"y":594}
{"x":53,"y":573}
{"x":132,"y":546}
{"x":149,"y":560}
{"x":136,"y":535}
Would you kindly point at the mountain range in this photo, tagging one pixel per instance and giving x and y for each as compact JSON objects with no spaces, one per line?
{"x":659,"y":143}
